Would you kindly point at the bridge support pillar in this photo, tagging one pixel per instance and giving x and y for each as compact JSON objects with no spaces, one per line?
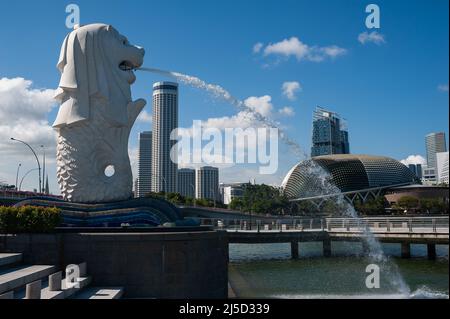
{"x":294,"y":249}
{"x":365,"y":247}
{"x":406,"y":250}
{"x":327,"y":247}
{"x":431,"y":251}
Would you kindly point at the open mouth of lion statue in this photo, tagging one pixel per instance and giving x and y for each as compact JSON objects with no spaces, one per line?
{"x":127,"y":66}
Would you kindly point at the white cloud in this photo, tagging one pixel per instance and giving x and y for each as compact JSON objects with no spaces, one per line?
{"x":443,"y":87}
{"x":24,"y":115}
{"x":333,"y":51}
{"x":288,"y":47}
{"x":290,"y":88}
{"x":302,"y":51}
{"x":372,"y":37}
{"x":261,"y":105}
{"x":145,"y":117}
{"x":287,"y":111}
{"x":257,"y":47}
{"x":414,"y":159}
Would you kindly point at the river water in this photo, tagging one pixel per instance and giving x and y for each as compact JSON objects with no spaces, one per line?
{"x":267,"y":271}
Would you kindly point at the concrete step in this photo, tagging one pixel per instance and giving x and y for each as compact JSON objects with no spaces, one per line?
{"x":8,"y":259}
{"x":58,"y":294}
{"x":100,"y":293}
{"x":16,"y":277}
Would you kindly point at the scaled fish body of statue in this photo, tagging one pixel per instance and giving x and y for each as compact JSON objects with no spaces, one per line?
{"x":96,"y":114}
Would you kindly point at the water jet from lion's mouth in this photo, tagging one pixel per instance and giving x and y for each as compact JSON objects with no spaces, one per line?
{"x":376,"y":252}
{"x":219,"y":92}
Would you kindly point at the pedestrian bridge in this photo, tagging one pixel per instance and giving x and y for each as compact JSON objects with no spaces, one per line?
{"x":405,"y":231}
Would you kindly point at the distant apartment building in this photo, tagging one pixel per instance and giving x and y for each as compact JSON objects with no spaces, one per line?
{"x":231,"y":191}
{"x":416,"y":169}
{"x":165,"y":120}
{"x":429,"y":176}
{"x":207,"y":183}
{"x":144,"y":180}
{"x":186,"y":182}
{"x":435,"y":143}
{"x":330,"y":135}
{"x":442,"y":168}
{"x":135,"y":187}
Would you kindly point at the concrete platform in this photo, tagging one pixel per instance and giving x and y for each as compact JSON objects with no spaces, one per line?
{"x":100,"y":293}
{"x":7,"y":259}
{"x":17,"y":277}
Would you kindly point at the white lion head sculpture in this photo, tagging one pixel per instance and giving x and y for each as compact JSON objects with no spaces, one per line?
{"x":96,"y":114}
{"x":95,"y":61}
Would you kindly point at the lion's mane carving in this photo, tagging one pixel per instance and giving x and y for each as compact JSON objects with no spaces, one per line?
{"x":96,"y":114}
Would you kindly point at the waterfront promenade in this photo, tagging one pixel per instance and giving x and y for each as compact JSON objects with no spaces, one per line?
{"x":430,"y":231}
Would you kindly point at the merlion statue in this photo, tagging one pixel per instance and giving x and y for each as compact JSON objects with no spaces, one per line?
{"x":96,"y":114}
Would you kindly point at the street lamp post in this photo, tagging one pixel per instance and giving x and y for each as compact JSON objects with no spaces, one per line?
{"x":17,"y":175}
{"x":214,"y":196}
{"x":164,"y":185}
{"x":193,"y":189}
{"x":23,"y":177}
{"x":43,"y":168}
{"x":37,"y":160}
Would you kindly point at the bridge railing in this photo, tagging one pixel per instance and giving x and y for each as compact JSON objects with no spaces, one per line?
{"x":374,"y":224}
{"x":390,"y":224}
{"x":266,"y":224}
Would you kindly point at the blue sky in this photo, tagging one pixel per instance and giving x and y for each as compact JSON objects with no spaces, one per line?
{"x":388,"y":92}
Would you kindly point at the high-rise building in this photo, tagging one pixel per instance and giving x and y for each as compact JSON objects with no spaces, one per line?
{"x":429,"y":176}
{"x":330,"y":136}
{"x":416,"y":169}
{"x":413,"y":168}
{"x":231,"y":191}
{"x":419,"y":170}
{"x":165,"y":120}
{"x":442,"y":168}
{"x":135,"y":187}
{"x":207,"y":183}
{"x":345,"y":145}
{"x":435,"y":143}
{"x":186,"y":182}
{"x":144,"y":180}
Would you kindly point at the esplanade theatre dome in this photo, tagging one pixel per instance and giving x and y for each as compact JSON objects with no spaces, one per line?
{"x":331,"y":174}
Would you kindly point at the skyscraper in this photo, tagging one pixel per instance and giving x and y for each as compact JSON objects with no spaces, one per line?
{"x":207,"y":183}
{"x":416,"y":169}
{"x":186,"y":182}
{"x":165,"y":119}
{"x":435,"y":143}
{"x":442,"y":168}
{"x":330,"y":136}
{"x":144,"y":179}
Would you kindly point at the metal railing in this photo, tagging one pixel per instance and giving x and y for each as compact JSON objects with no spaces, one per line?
{"x":373,"y":224}
{"x":390,"y":224}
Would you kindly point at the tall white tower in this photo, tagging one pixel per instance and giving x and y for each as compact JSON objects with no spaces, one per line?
{"x":435,"y":143}
{"x":165,"y":119}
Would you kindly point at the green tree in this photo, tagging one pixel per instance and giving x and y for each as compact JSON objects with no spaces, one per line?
{"x":261,"y":199}
{"x":408,"y":203}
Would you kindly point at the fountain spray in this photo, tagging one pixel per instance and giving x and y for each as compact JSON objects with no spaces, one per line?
{"x":376,"y":253}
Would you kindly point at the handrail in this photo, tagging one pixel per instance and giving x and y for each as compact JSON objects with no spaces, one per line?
{"x":426,"y":224}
